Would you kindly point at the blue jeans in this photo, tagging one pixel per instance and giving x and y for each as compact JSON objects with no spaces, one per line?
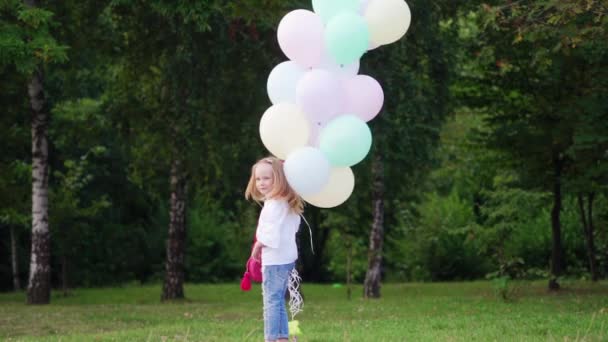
{"x":274,"y":286}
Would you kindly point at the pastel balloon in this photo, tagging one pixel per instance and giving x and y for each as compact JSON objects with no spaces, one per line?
{"x":300,"y":35}
{"x":347,"y":37}
{"x":307,"y":170}
{"x":342,"y":71}
{"x":388,"y":20}
{"x":315,"y":133}
{"x":372,"y":46}
{"x":327,"y":9}
{"x":284,"y":128}
{"x":364,"y":97}
{"x":282,"y":81}
{"x":338,"y":189}
{"x":321,"y":96}
{"x":363,"y":5}
{"x":345,"y":140}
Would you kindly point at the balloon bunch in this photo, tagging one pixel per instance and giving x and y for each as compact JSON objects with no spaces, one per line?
{"x":317,"y":122}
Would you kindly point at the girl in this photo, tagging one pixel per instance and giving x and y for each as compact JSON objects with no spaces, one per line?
{"x":276,"y":241}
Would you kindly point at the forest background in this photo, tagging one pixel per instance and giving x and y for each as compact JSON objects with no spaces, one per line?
{"x":129,"y":129}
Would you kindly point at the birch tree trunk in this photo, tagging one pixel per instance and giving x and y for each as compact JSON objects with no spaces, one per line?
{"x":39,"y":283}
{"x":173,"y":287}
{"x":374,"y":268}
{"x":15,"y":259}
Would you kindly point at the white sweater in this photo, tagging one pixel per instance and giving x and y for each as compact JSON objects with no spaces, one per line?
{"x":277,"y":228}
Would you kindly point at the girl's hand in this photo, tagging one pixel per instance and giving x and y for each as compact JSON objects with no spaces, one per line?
{"x":256,"y":252}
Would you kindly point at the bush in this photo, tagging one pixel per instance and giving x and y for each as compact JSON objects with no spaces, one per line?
{"x":217,"y":246}
{"x":440,"y":246}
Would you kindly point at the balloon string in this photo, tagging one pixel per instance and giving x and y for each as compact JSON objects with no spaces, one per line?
{"x":312,"y":248}
{"x":310,"y":231}
{"x":296,"y":302}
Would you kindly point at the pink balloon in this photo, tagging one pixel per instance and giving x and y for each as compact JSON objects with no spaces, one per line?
{"x":364,"y":97}
{"x":320,"y":94}
{"x":363,"y":5}
{"x":300,"y":35}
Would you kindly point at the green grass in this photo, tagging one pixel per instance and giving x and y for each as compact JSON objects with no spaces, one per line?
{"x":406,"y":312}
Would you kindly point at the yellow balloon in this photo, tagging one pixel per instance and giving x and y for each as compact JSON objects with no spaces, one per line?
{"x":388,"y":20}
{"x":337,"y":191}
{"x":284,"y":128}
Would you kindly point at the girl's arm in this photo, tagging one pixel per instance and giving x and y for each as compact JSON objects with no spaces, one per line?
{"x":256,"y":252}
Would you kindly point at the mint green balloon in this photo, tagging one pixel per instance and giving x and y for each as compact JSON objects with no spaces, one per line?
{"x":327,"y":9}
{"x":347,"y":37}
{"x":345,"y":140}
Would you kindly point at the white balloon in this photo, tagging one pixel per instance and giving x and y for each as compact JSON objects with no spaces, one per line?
{"x":284,"y":128}
{"x":338,"y":189}
{"x":307,"y":170}
{"x":388,"y":20}
{"x":282,"y":81}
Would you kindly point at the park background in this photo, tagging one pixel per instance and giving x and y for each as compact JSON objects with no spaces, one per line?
{"x":140,"y":118}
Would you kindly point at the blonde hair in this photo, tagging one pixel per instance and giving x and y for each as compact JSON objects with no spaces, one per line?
{"x":280,"y":188}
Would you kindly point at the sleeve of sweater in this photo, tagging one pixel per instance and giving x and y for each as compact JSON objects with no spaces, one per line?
{"x":269,"y":225}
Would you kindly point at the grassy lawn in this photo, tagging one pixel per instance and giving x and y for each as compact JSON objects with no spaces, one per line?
{"x":407,"y":312}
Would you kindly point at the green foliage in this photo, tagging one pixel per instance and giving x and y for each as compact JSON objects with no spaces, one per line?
{"x":13,"y":208}
{"x":518,"y":67}
{"x":26,"y":39}
{"x":148,"y":81}
{"x":508,"y":210}
{"x":536,"y":70}
{"x":412,"y":73}
{"x":70,"y":215}
{"x":504,"y":288}
{"x":347,"y":236}
{"x":439,"y":246}
{"x":216,"y":244}
{"x":509,"y":228}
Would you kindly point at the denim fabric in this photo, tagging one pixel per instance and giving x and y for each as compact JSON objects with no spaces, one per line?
{"x":274,"y":286}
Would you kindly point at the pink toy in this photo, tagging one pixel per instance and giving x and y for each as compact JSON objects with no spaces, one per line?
{"x":253,"y":272}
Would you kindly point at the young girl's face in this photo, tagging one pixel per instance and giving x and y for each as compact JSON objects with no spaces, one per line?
{"x":264,"y":178}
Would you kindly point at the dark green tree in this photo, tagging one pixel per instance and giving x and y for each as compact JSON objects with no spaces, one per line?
{"x":414,"y":73}
{"x":183,"y":92}
{"x":538,"y":69}
{"x":28,"y":46}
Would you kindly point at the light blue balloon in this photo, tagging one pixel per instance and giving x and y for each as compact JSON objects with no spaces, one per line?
{"x":345,"y":140}
{"x":327,"y":9}
{"x":347,"y":37}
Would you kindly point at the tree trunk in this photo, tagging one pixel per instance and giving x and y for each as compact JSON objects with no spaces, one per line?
{"x":173,"y":287}
{"x":15,"y":259}
{"x":556,"y":252}
{"x":39,"y":284}
{"x":64,"y":275}
{"x":587,"y":224}
{"x":374,"y":268}
{"x":349,"y":263}
{"x":313,"y":264}
{"x":595,"y":274}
